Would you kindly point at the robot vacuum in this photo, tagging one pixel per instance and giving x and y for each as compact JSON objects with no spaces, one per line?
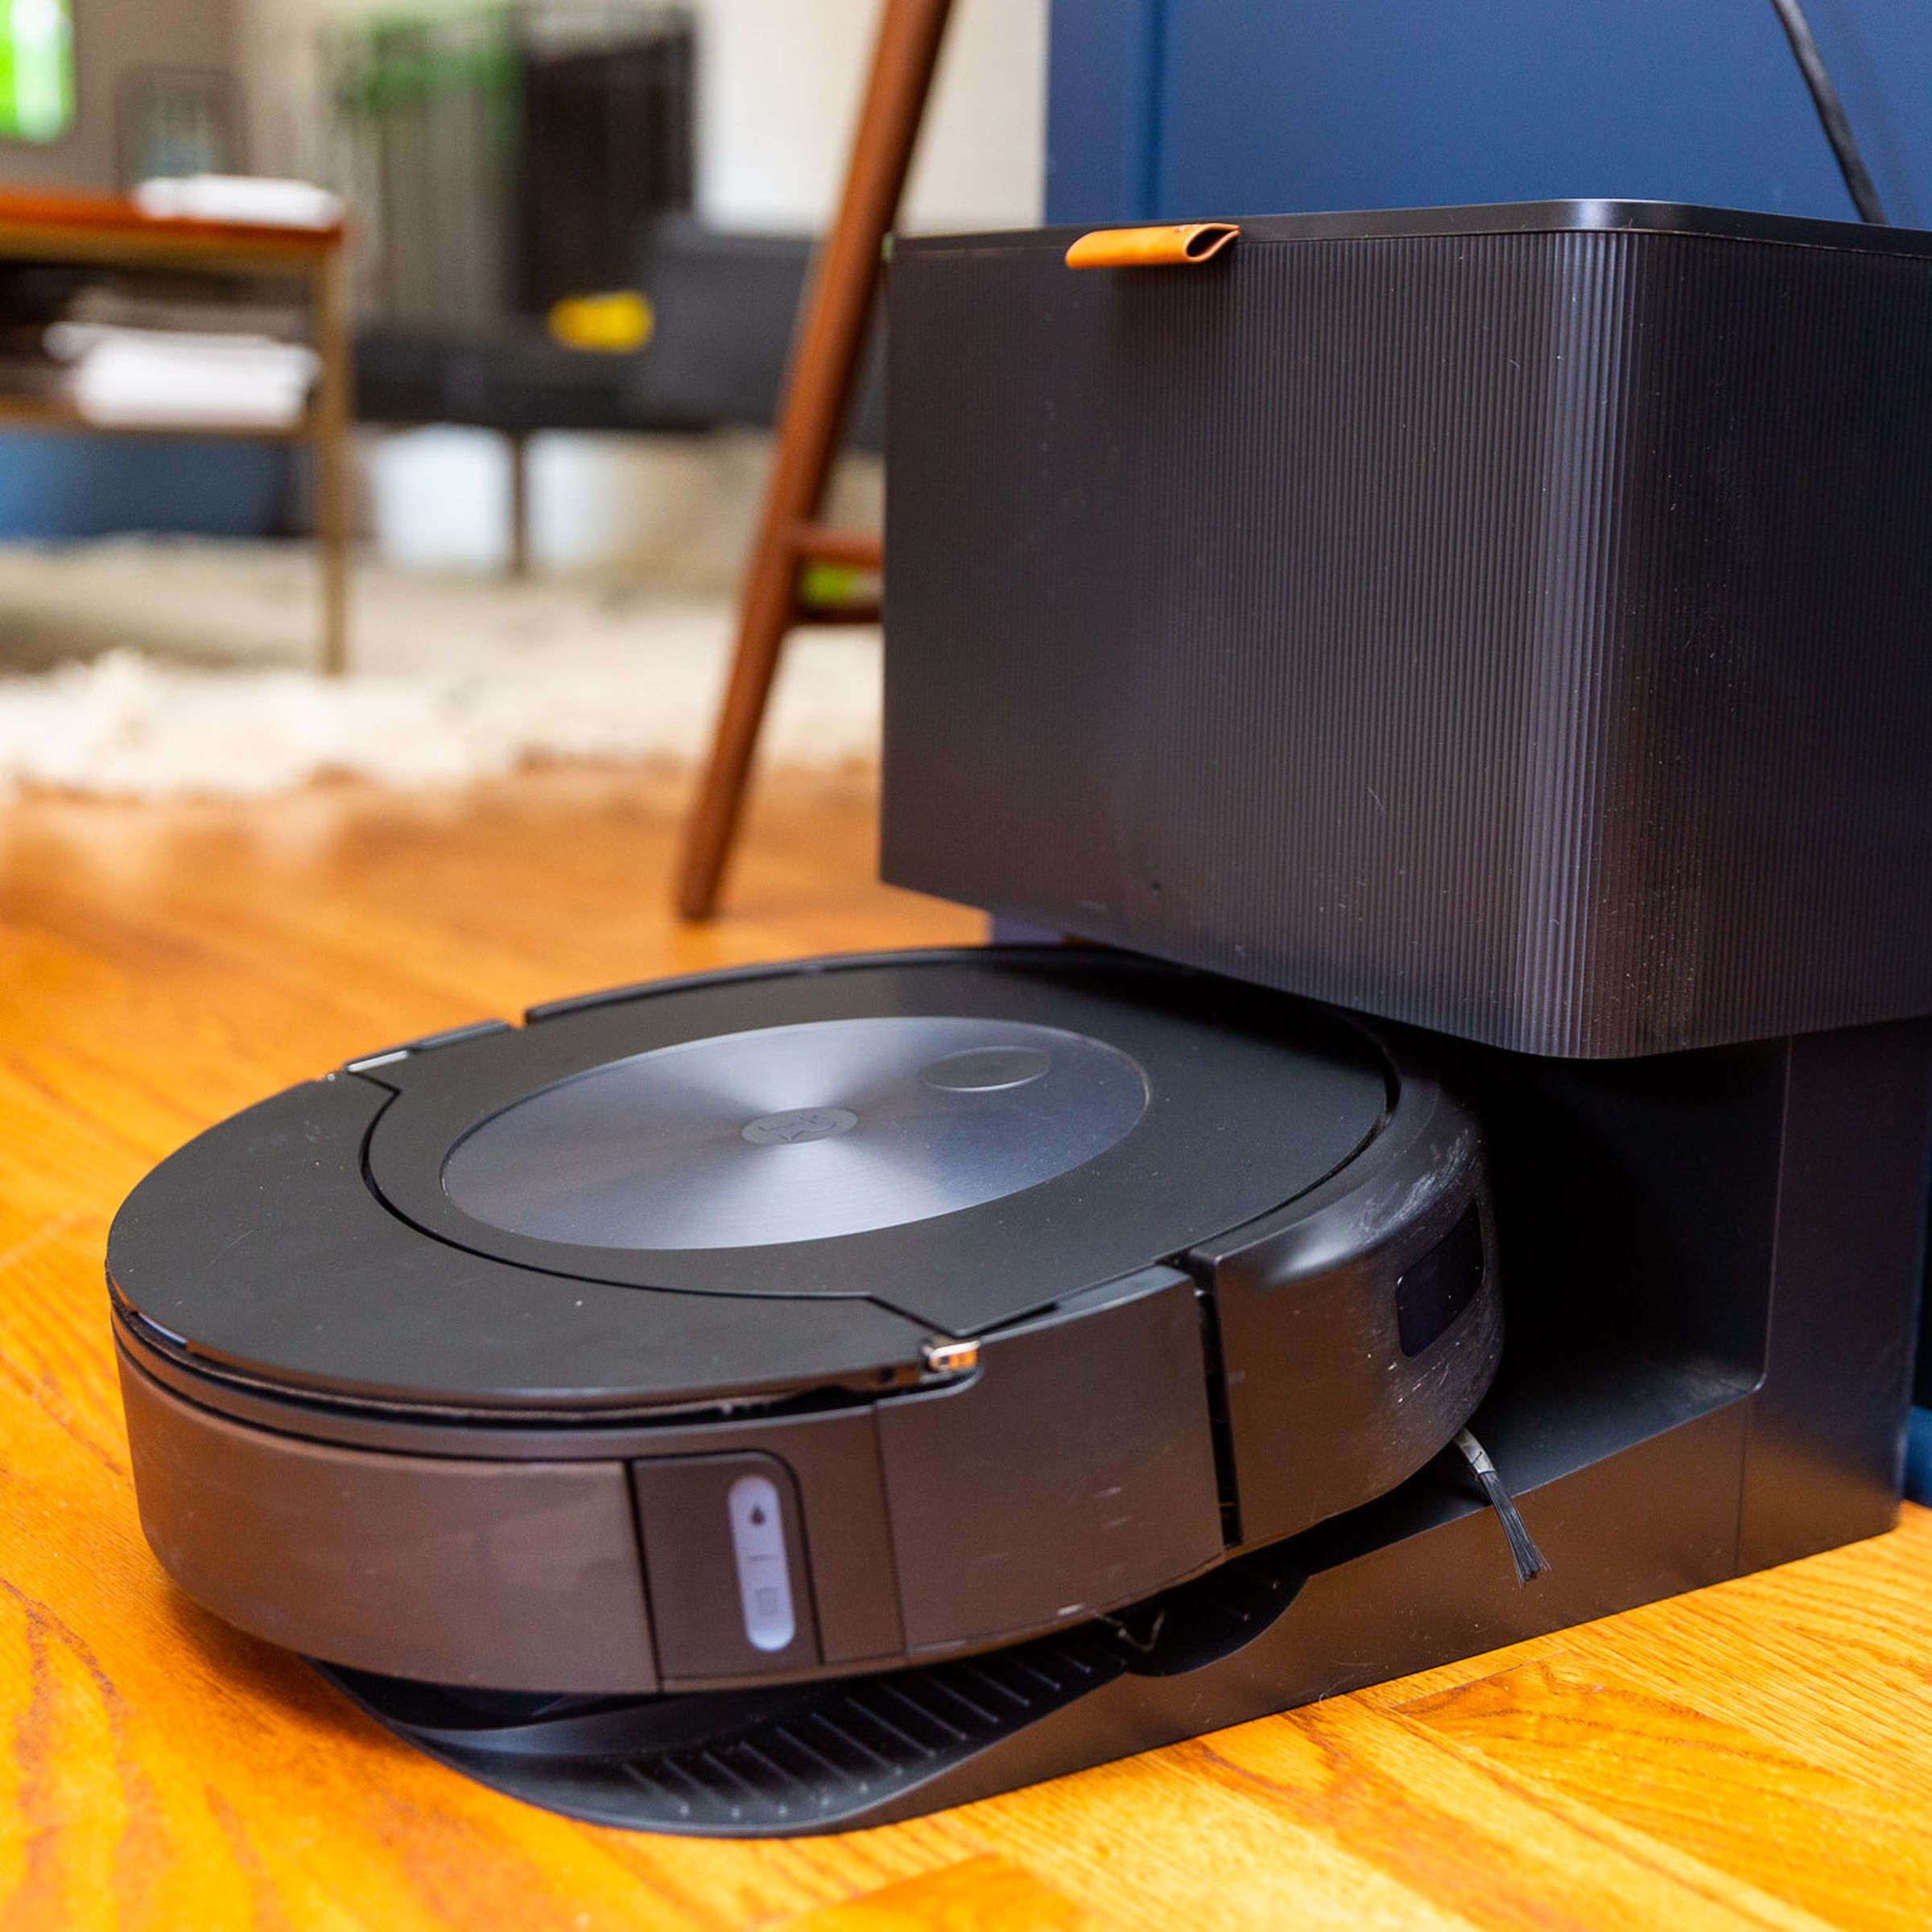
{"x":677,"y":1364}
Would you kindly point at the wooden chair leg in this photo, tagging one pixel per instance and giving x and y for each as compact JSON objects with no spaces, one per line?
{"x":825,"y":360}
{"x":333,"y":411}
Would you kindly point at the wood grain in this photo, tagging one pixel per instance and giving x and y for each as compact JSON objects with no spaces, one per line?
{"x":1759,"y":1755}
{"x":973,"y":1896}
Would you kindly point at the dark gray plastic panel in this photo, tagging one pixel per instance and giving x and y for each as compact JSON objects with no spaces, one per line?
{"x":260,"y":1243}
{"x":1317,"y":1283}
{"x":1826,"y":1449}
{"x":831,"y":1457}
{"x":464,"y":1572}
{"x":1110,"y":1416}
{"x":1514,"y":631}
{"x":702,"y":1630}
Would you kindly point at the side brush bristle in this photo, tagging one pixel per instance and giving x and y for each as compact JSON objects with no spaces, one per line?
{"x":1530,"y":1561}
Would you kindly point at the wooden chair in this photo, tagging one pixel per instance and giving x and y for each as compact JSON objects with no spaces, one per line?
{"x":825,"y":361}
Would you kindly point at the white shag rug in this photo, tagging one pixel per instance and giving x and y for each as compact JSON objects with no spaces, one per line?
{"x":149,"y":669}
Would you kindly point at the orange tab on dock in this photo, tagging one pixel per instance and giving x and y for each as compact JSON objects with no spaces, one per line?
{"x":1175,"y":243}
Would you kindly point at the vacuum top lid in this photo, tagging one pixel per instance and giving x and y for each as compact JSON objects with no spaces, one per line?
{"x":738,"y":1188}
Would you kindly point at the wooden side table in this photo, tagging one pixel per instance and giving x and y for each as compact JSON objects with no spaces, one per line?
{"x":109,"y":232}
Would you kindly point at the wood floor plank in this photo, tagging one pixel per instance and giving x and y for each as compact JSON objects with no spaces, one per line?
{"x":1750,"y":1757}
{"x":1174,"y":1838}
{"x":1461,"y":1828}
{"x":1749,"y":1652}
{"x":1745,"y":1801}
{"x":982,"y":1894}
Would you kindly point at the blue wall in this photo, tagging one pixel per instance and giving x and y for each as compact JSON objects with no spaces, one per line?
{"x":55,"y":486}
{"x":1166,"y":109}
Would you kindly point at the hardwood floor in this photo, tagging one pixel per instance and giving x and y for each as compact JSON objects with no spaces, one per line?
{"x":1758,"y":1755}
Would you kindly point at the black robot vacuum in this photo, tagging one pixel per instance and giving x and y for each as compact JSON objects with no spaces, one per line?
{"x":799,"y":1398}
{"x":661,"y":1369}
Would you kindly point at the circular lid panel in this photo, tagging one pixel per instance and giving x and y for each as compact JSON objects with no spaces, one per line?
{"x":796,"y":1134}
{"x":958,"y":1138}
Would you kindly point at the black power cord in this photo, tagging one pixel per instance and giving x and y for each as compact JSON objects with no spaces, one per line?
{"x":1830,"y":110}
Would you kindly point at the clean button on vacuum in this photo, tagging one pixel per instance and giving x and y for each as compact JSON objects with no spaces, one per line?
{"x":757,"y":1544}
